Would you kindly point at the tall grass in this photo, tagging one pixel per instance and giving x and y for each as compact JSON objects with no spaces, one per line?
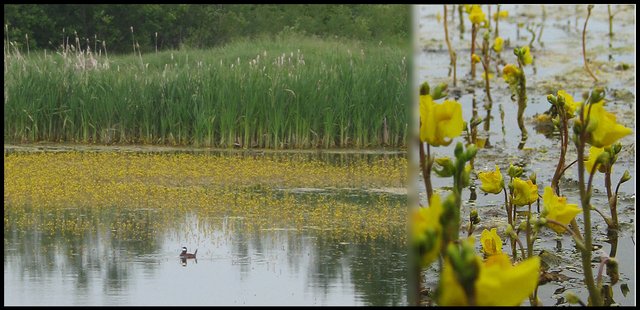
{"x":288,"y":92}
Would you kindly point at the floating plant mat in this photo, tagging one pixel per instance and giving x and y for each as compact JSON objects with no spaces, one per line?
{"x":269,"y":215}
{"x":557,"y":65}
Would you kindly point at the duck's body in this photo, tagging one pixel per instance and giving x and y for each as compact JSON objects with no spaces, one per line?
{"x":184,"y":253}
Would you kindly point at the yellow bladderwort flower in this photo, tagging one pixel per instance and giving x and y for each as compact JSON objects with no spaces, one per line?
{"x":557,"y":209}
{"x":511,"y":73}
{"x":476,"y":15}
{"x":527,"y":59}
{"x":491,"y":243}
{"x":475,"y":58}
{"x":492,"y":181}
{"x":594,"y":152}
{"x":499,"y":283}
{"x":524,"y":192}
{"x":427,"y":230}
{"x":439,"y":121}
{"x":503,"y":15}
{"x":498,"y":43}
{"x":603,"y":128}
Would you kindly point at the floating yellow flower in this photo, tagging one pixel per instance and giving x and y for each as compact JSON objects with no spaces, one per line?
{"x":498,"y":43}
{"x":527,"y":59}
{"x":557,"y":209}
{"x":427,"y":230}
{"x":491,"y":243}
{"x":492,"y":181}
{"x":476,"y":15}
{"x":511,"y":73}
{"x":475,"y":58}
{"x":594,"y":152}
{"x":499,"y":283}
{"x":524,"y":192}
{"x":503,"y":15}
{"x":439,"y":121}
{"x":603,"y":128}
{"x":569,"y":105}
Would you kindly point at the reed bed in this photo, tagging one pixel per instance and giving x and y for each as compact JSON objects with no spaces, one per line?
{"x":293,"y":92}
{"x":140,"y":196}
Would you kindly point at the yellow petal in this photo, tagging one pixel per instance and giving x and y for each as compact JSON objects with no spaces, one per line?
{"x":557,"y":209}
{"x":524,"y":192}
{"x":491,"y":243}
{"x":603,"y":127}
{"x":492,"y":181}
{"x":500,"y":284}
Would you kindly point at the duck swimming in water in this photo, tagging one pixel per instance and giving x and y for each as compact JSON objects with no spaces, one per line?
{"x":184,"y":253}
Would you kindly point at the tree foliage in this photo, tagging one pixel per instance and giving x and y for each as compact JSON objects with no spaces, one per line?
{"x":196,"y":25}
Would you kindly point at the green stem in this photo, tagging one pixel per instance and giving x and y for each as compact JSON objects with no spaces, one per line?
{"x":452,"y":53}
{"x":564,"y":141}
{"x":584,"y":50}
{"x":594,"y":293}
{"x":522,"y":105}
{"x":507,"y":205}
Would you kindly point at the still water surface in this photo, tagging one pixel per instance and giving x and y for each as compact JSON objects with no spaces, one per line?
{"x":236,"y":264}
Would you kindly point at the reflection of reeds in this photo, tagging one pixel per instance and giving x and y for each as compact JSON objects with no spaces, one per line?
{"x":260,"y":93}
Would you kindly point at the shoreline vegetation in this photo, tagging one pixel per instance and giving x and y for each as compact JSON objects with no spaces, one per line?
{"x":289,"y":89}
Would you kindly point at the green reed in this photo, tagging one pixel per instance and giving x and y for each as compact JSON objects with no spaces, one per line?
{"x":294,"y":92}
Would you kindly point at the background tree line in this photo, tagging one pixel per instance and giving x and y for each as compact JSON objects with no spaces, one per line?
{"x":195,"y":25}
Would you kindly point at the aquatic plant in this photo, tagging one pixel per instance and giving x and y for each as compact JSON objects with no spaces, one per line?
{"x":452,"y":53}
{"x":515,"y":77}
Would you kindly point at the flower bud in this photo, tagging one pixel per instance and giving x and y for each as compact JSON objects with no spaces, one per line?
{"x":424,"y":89}
{"x":603,"y":159}
{"x":532,"y":177}
{"x":597,"y":94}
{"x":474,"y":217}
{"x":617,"y":148}
{"x":447,"y":169}
{"x":458,"y":150}
{"x":571,"y":298}
{"x":471,"y":152}
{"x":625,"y":177}
{"x":439,"y":91}
{"x":514,"y":171}
{"x":552,"y":99}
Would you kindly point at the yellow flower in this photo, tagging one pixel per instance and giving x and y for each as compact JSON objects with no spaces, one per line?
{"x":498,"y":43}
{"x":475,"y":58}
{"x":594,"y":152}
{"x":492,"y":181}
{"x":427,"y":230}
{"x":476,"y":15}
{"x":557,"y":209}
{"x":603,"y":126}
{"x":569,"y":105}
{"x":439,"y":121}
{"x":511,"y":73}
{"x":491,"y":243}
{"x":503,"y":15}
{"x":524,"y":192}
{"x":499,"y":283}
{"x":527,"y":59}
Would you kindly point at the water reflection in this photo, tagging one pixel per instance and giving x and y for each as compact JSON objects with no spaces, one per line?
{"x":103,"y":266}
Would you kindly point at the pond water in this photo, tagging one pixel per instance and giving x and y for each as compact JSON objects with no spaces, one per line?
{"x":557,"y":65}
{"x":108,"y":226}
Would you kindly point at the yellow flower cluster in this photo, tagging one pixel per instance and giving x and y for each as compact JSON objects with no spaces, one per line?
{"x":143,"y":193}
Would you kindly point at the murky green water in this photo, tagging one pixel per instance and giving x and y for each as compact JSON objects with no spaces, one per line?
{"x":126,"y":258}
{"x":557,"y":64}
